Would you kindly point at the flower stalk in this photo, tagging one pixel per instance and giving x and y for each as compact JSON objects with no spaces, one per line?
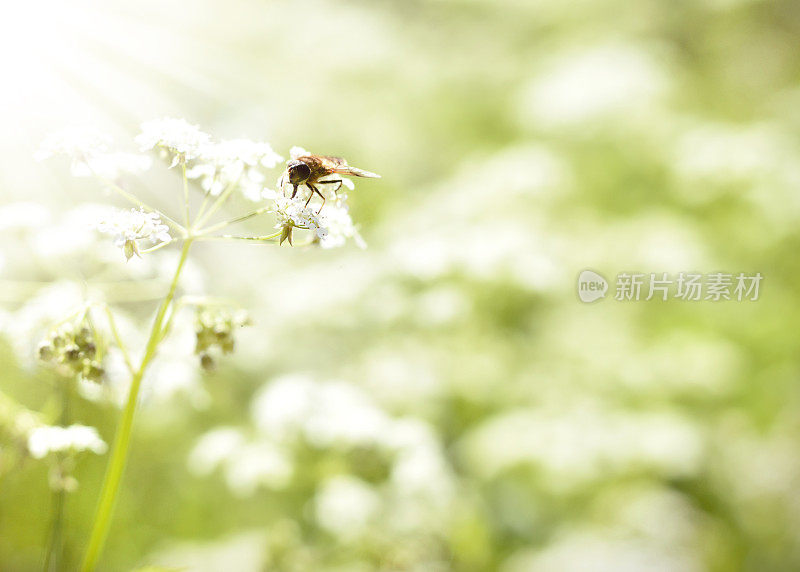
{"x":122,"y":439}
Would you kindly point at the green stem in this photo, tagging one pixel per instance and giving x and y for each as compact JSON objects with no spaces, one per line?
{"x":185,"y":192}
{"x":267,"y":238}
{"x":203,"y":205}
{"x":223,"y":196}
{"x":55,"y":544}
{"x":158,"y":246}
{"x":223,"y":224}
{"x":120,"y":344}
{"x":122,"y":439}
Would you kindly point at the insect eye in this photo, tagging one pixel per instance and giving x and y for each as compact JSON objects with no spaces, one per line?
{"x":299,"y":172}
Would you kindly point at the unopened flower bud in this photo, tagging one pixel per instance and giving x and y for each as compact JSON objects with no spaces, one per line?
{"x":95,"y":373}
{"x":45,"y":351}
{"x":72,"y":352}
{"x":90,"y":349}
{"x":286,"y":233}
{"x":207,"y":362}
{"x":129,"y":249}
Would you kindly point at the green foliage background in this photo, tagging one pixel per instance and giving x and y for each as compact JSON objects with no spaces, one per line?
{"x":632,"y":435}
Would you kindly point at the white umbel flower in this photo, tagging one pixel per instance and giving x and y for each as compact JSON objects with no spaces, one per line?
{"x":132,"y":227}
{"x":88,"y":150}
{"x":339,"y":227}
{"x":293,"y":212}
{"x":76,"y":142}
{"x":111,"y":165}
{"x":234,"y":162}
{"x":345,"y":505}
{"x":176,"y":136}
{"x":75,"y":438}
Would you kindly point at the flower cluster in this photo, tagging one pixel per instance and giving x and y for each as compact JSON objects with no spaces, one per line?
{"x":216,"y":165}
{"x":331,"y":227}
{"x":219,"y":168}
{"x":234,"y":162}
{"x":130,"y":227}
{"x":75,"y":142}
{"x":73,"y":350}
{"x":65,"y":443}
{"x":336,"y":416}
{"x":75,"y":438}
{"x":215,"y":333}
{"x":292,"y":213}
{"x":177,"y":136}
{"x":338,"y":226}
{"x":88,"y":150}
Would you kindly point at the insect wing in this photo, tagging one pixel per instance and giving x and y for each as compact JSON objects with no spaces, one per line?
{"x":347,"y":170}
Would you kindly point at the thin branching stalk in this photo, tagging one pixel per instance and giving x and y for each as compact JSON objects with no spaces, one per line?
{"x":223,"y":196}
{"x":120,"y":344}
{"x":185,"y":192}
{"x":223,"y":224}
{"x":158,"y":246}
{"x":267,"y":238}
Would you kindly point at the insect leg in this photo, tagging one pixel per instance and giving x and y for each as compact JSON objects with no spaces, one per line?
{"x":311,"y":194}
{"x":333,"y":181}
{"x":315,"y":190}
{"x":294,"y":192}
{"x":323,"y":200}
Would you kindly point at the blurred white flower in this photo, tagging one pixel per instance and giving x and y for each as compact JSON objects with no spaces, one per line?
{"x":329,"y":413}
{"x":73,"y":232}
{"x":296,"y":152}
{"x":442,"y":305}
{"x":250,"y":153}
{"x":576,"y":446}
{"x":21,"y":215}
{"x":257,"y":464}
{"x":110,"y":165}
{"x":338,"y":227}
{"x":423,"y":486}
{"x":243,"y":552}
{"x":586,"y":85}
{"x":640,"y":527}
{"x":75,"y":438}
{"x":234,"y":162}
{"x":729,"y":152}
{"x":88,"y":150}
{"x":246,"y":464}
{"x":344,"y":506}
{"x":177,"y":136}
{"x":213,"y":448}
{"x":603,"y":551}
{"x":134,"y":225}
{"x":78,"y":143}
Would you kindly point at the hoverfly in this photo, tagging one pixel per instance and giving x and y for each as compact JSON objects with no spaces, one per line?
{"x":309,"y":170}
